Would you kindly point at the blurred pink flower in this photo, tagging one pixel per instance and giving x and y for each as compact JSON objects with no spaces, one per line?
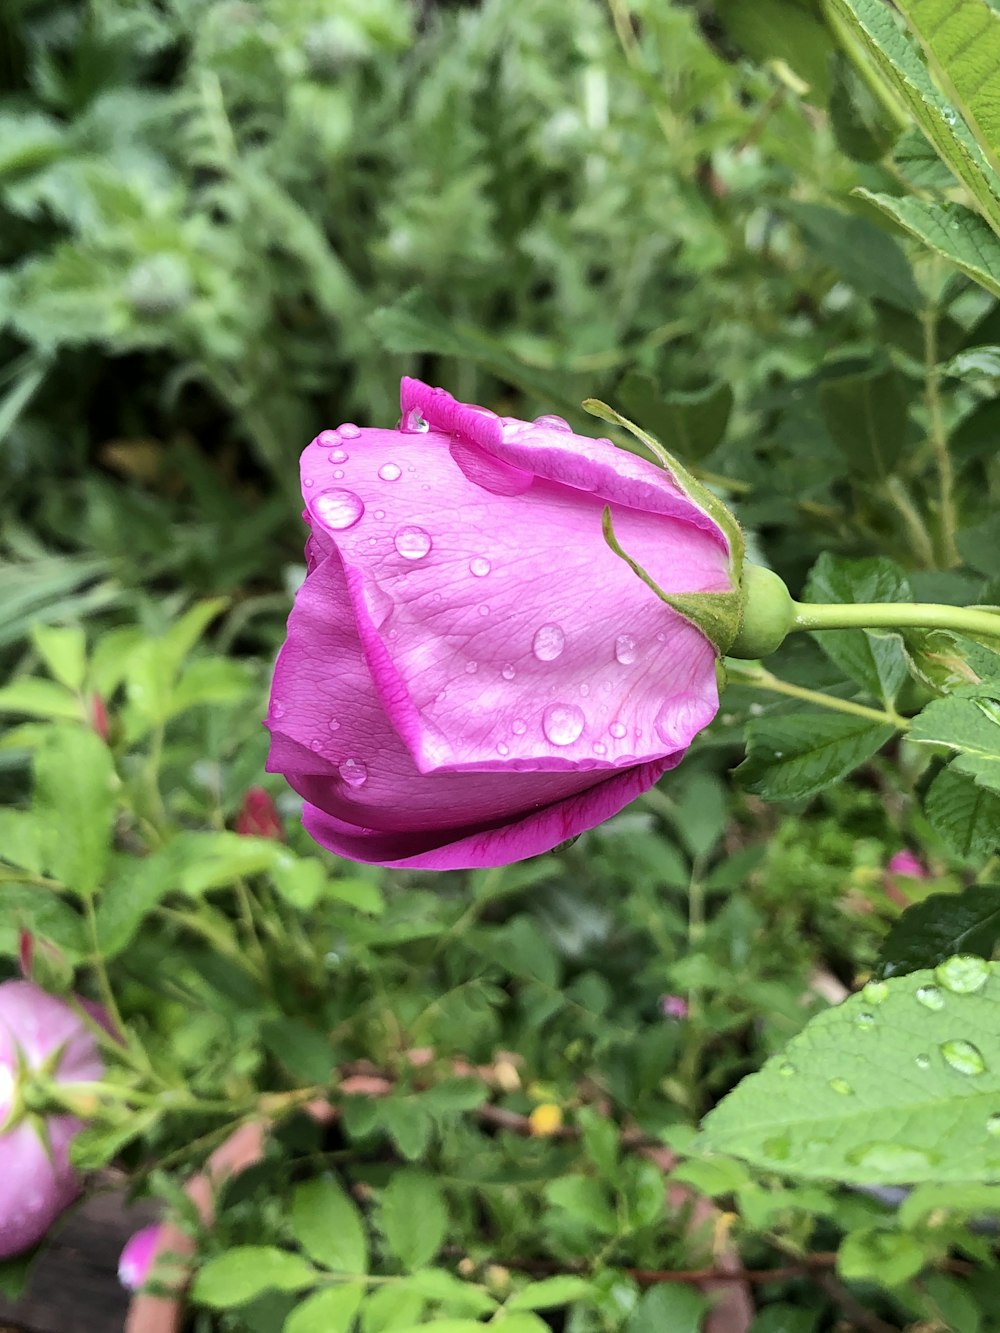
{"x":673,"y":1006}
{"x":471,"y":676}
{"x":137,"y":1257}
{"x":905,"y":864}
{"x":37,"y":1030}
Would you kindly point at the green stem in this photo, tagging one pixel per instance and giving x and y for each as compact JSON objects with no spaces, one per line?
{"x":920,"y":541}
{"x":967,"y":620}
{"x":939,"y":441}
{"x":759,"y":678}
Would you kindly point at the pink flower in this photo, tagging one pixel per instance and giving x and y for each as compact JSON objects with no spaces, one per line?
{"x":906,"y":863}
{"x":38,"y":1032}
{"x":258,"y":816}
{"x":137,"y":1257}
{"x":471,"y":676}
{"x":673,"y":1006}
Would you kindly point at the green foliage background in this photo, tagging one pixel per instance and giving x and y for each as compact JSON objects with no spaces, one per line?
{"x":226,"y":225}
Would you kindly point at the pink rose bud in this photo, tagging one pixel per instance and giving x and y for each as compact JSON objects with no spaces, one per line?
{"x":904,"y":863}
{"x":39,"y":1034}
{"x":137,"y":1257}
{"x":673,"y":1006}
{"x":99,"y":716}
{"x":471,"y":674}
{"x":258,"y":816}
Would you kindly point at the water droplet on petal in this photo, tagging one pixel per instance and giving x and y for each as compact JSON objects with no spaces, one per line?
{"x":922,"y":1061}
{"x":349,"y":431}
{"x":554,"y":423}
{"x":963,"y":974}
{"x":563,"y":723}
{"x":508,"y":672}
{"x":327,"y":439}
{"x":339,"y":455}
{"x":484,"y":610}
{"x":277,"y":708}
{"x":875,"y":992}
{"x":338,"y":509}
{"x":412,"y":542}
{"x":842,"y":1086}
{"x":503,"y":748}
{"x":415,"y":422}
{"x":993,"y":1124}
{"x":585,"y":689}
{"x":380,"y":513}
{"x":308,"y":482}
{"x":865,"y":1021}
{"x":471,"y":668}
{"x":618,"y":730}
{"x":963,"y":1057}
{"x":930,"y":997}
{"x":390,"y":472}
{"x":626,"y":649}
{"x":548,"y":643}
{"x":353,"y":771}
{"x":333,"y":724}
{"x":479,"y":566}
{"x":338,"y":473}
{"x":600,"y":747}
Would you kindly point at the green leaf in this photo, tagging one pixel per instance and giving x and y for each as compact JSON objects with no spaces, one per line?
{"x":586,"y":1199}
{"x":328,"y":1226}
{"x":969,"y":726}
{"x":962,"y":41}
{"x":920,"y":164}
{"x":858,"y":120}
{"x":874,"y":1254}
{"x":303,"y":1050}
{"x":22,"y":835}
{"x":331,"y":1310}
{"x":794,"y":755}
{"x":75,"y":784}
{"x":390,"y":1308}
{"x":44,"y":913}
{"x":64,"y":652}
{"x":950,"y":229}
{"x":674,"y":1306}
{"x":860,"y":252}
{"x":551,"y":1292}
{"x":771,"y":30}
{"x":690,"y":423}
{"x":40,"y":698}
{"x":906,"y":74}
{"x":897,"y":1085}
{"x":875,"y":660}
{"x":966,"y":815}
{"x":940,"y":926}
{"x":444,"y":1288}
{"x":244,"y":1272}
{"x":409,"y":1125}
{"x":414,"y":1217}
{"x":866,"y":416}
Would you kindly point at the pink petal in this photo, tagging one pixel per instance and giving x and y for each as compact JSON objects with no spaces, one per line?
{"x":137,"y":1257}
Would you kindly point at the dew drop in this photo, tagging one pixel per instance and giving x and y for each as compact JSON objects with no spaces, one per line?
{"x":484,"y":610}
{"x":308,"y":482}
{"x":548,"y":643}
{"x":922,"y":1061}
{"x":338,"y":509}
{"x":479,"y":566}
{"x":626,"y":649}
{"x":333,"y":724}
{"x":842,"y":1086}
{"x":585,"y":689}
{"x":890,"y":1158}
{"x":503,"y":748}
{"x":787,"y":1070}
{"x":993,"y":1124}
{"x":380,"y":513}
{"x":327,"y":439}
{"x":278,"y":708}
{"x":338,"y":473}
{"x":600,"y":747}
{"x":617,"y":729}
{"x":519,"y":726}
{"x":563,"y":723}
{"x":315,"y":745}
{"x":865,"y":1020}
{"x":554,"y":423}
{"x":415,"y":422}
{"x":471,"y":668}
{"x":508,"y":672}
{"x":963,"y":1057}
{"x":930,"y":997}
{"x":875,"y":992}
{"x":963,"y":974}
{"x":353,"y":771}
{"x":412,"y":542}
{"x":390,"y":472}
{"x":339,"y":455}
{"x":349,"y":431}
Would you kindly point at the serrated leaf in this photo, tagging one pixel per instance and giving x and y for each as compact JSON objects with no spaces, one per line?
{"x":244,"y":1272}
{"x":409,"y":1125}
{"x":331,"y":1310}
{"x":414,"y":1217}
{"x":907,"y":75}
{"x":966,"y":815}
{"x":75,"y":784}
{"x":867,"y":419}
{"x":962,"y":41}
{"x":327,"y":1224}
{"x":969,"y":726}
{"x":876,"y":661}
{"x":940,"y":926}
{"x":794,"y":755}
{"x":674,"y":1306}
{"x":894,"y":1086}
{"x":950,"y":229}
{"x":920,"y":164}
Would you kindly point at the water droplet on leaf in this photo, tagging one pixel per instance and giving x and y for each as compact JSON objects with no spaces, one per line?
{"x":993,"y":1124}
{"x":963,"y":974}
{"x":865,"y":1020}
{"x":923,"y":1062}
{"x":875,"y":991}
{"x":930,"y":997}
{"x":963,"y":1057}
{"x":842,"y":1086}
{"x":787,"y":1069}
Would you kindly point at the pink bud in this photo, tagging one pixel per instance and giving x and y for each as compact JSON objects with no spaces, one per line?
{"x":673,"y":1006}
{"x":36,"y":1030}
{"x":258,"y":816}
{"x":99,"y":716}
{"x":25,"y":953}
{"x":137,"y":1257}
{"x":906,"y":863}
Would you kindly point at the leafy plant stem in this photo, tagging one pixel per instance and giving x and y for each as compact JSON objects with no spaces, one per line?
{"x":761,"y":679}
{"x":939,"y":440}
{"x":920,"y":540}
{"x":969,"y":620}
